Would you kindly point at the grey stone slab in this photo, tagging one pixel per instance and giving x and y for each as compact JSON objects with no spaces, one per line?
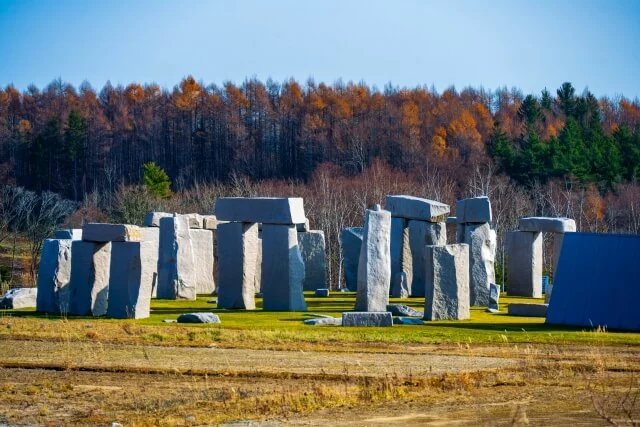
{"x":312,"y":249}
{"x":421,"y":234}
{"x":350,"y":245}
{"x":195,"y":220}
{"x":150,"y":256}
{"x":374,"y":266}
{"x":19,"y":298}
{"x":401,"y":259}
{"x":322,"y":292}
{"x":447,"y":290}
{"x":69,"y":233}
{"x":202,"y":242}
{"x":198,"y":318}
{"x":323,"y":321}
{"x":482,"y":253}
{"x":237,"y":258}
{"x":494,"y":297}
{"x":474,"y":210}
{"x":407,"y":321}
{"x":527,"y":309}
{"x":411,"y":207}
{"x":98,"y":232}
{"x":267,"y":210}
{"x":129,"y":291}
{"x":547,"y":224}
{"x":283,"y":269}
{"x":367,"y":318}
{"x":89,"y":286}
{"x":54,"y":275}
{"x":152,"y":219}
{"x":400,"y":286}
{"x":524,"y":263}
{"x":176,"y":269}
{"x":403,"y":310}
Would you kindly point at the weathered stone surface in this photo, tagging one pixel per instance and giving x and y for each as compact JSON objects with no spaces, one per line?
{"x":524,"y":263}
{"x":447,"y":290}
{"x":403,"y":310}
{"x":350,"y":245}
{"x":152,"y":219}
{"x":422,"y":233}
{"x":237,"y":258}
{"x":367,"y":318}
{"x":494,"y":297}
{"x":283,"y":270}
{"x":474,"y":210}
{"x":129,"y":289}
{"x":322,"y":292}
{"x":547,"y":224}
{"x":401,"y":259}
{"x":257,"y":278}
{"x":97,"y":232}
{"x":482,"y":253}
{"x":54,"y":275}
{"x":70,"y":233}
{"x":374,"y":266}
{"x":411,"y":207}
{"x":202,"y":242}
{"x":460,"y":233}
{"x":195,"y":220}
{"x":150,"y":255}
{"x":176,"y":269}
{"x":407,"y":321}
{"x":267,"y":210}
{"x":312,"y":249}
{"x":210,"y":222}
{"x":400,"y":286}
{"x":527,"y":309}
{"x":19,"y":298}
{"x":198,"y":318}
{"x":89,"y":285}
{"x":333,"y":321}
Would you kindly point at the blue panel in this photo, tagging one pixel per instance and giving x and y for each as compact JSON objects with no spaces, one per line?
{"x":597,"y":282}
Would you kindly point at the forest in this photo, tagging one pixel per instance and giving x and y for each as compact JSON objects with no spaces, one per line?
{"x":341,"y":146}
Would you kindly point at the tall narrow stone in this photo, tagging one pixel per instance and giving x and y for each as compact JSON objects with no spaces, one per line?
{"x":558,"y":238}
{"x":176,"y":278}
{"x":312,"y":248}
{"x":283,"y":269}
{"x":524,"y":263}
{"x":237,"y":257}
{"x":129,"y":282}
{"x":257,"y":279}
{"x":374,"y":268}
{"x":401,"y":259}
{"x":54,"y":275}
{"x":350,"y":244}
{"x":89,"y":278}
{"x":447,"y":291}
{"x":151,"y":253}
{"x":202,"y":241}
{"x":482,"y":252}
{"x":422,"y":233}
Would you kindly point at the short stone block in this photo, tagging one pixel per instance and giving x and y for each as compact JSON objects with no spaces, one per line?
{"x":367,"y":318}
{"x":198,"y":318}
{"x":129,"y":290}
{"x":411,"y":207}
{"x":547,"y":224}
{"x":474,"y":210}
{"x":447,"y":290}
{"x":524,"y":263}
{"x":267,"y":210}
{"x":98,"y":232}
{"x":528,"y":310}
{"x":19,"y":298}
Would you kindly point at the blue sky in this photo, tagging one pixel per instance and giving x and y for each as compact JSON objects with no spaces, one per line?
{"x":527,"y":44}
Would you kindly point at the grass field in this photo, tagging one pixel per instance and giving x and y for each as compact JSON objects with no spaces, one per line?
{"x":269,"y":367}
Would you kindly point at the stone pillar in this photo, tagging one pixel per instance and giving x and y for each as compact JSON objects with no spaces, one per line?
{"x":89,"y":283}
{"x":374,"y":267}
{"x":558,"y":238}
{"x":176,"y":278}
{"x":257,"y":278}
{"x":130,"y":286}
{"x":524,"y":263}
{"x":401,"y":259}
{"x":54,"y":275}
{"x":350,"y":244}
{"x":312,"y":249}
{"x":237,"y":257}
{"x":447,"y":290}
{"x":202,"y":241}
{"x":283,"y":269}
{"x":482,"y":253}
{"x":422,"y":233}
{"x":152,"y":235}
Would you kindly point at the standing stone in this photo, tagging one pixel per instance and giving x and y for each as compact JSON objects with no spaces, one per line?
{"x":150,"y":255}
{"x":257,"y":278}
{"x":374,"y":268}
{"x":129,"y":283}
{"x":494,"y":297}
{"x":350,"y":244}
{"x":401,"y":259}
{"x":89,"y":283}
{"x":202,"y":241}
{"x":283,"y":269}
{"x":176,"y":278}
{"x":19,"y":298}
{"x":400,"y":286}
{"x":312,"y":248}
{"x":98,"y":232}
{"x":524,"y":263}
{"x":482,"y":253}
{"x":422,"y":233}
{"x":237,"y":257}
{"x":54,"y":275}
{"x":447,"y":292}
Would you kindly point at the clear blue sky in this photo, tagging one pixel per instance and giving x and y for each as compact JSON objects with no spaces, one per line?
{"x":526,"y":44}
